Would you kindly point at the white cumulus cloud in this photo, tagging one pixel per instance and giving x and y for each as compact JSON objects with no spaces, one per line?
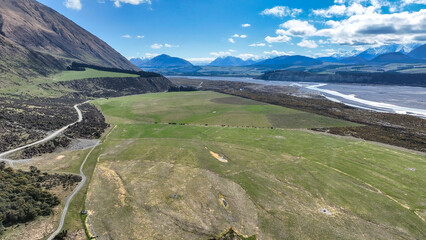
{"x":277,"y":53}
{"x":222,"y":53}
{"x":296,"y":28}
{"x":246,"y":56}
{"x":377,"y":29}
{"x":257,"y":45}
{"x":139,"y":36}
{"x":355,"y":7}
{"x":407,"y":2}
{"x":308,"y":44}
{"x":126,"y":36}
{"x":282,"y":11}
{"x":277,"y":39}
{"x":118,"y":3}
{"x":170,"y":46}
{"x":156,"y":46}
{"x":246,"y":25}
{"x":73,"y":4}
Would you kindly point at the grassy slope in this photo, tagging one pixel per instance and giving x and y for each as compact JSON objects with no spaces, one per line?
{"x":30,"y":86}
{"x":276,"y":181}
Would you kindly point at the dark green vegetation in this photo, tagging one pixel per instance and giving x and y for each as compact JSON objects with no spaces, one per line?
{"x":110,"y":87}
{"x":395,"y":129}
{"x":92,"y":126}
{"x":23,"y":195}
{"x":82,"y":67}
{"x":26,"y":119}
{"x":276,"y":181}
{"x":40,"y":149}
{"x":61,"y":236}
{"x":231,"y":234}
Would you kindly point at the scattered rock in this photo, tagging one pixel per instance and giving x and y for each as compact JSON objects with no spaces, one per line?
{"x":326,"y":212}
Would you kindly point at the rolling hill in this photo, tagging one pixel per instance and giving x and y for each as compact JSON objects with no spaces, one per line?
{"x":36,"y":40}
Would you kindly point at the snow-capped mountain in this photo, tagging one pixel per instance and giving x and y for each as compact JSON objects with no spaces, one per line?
{"x":372,"y":53}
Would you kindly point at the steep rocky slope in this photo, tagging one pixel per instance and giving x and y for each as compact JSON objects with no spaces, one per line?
{"x":37,"y":40}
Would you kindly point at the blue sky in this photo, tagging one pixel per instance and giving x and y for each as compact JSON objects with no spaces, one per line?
{"x":201,"y":30}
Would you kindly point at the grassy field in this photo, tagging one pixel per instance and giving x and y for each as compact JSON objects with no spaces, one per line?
{"x":89,"y":73}
{"x":209,"y":108}
{"x":160,"y":181}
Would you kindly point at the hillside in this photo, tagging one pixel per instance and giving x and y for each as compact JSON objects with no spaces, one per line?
{"x":36,"y":40}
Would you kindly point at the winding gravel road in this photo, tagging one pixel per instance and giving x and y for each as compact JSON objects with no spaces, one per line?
{"x":49,"y":137}
{"x":70,"y":197}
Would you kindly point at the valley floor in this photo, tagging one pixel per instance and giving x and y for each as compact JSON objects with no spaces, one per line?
{"x":156,"y":177}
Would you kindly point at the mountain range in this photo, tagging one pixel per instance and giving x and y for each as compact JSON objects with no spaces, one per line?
{"x":35,"y":40}
{"x":373,"y":56}
{"x":231,"y":61}
{"x":372,"y":53}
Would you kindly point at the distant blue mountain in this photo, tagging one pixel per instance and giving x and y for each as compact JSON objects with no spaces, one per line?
{"x":395,"y":57}
{"x":328,"y":59}
{"x":419,"y":52}
{"x":353,"y":60}
{"x":139,"y":61}
{"x":284,"y":61}
{"x":231,"y":61}
{"x":165,"y":61}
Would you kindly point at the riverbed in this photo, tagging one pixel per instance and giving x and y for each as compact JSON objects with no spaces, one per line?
{"x":382,"y":98}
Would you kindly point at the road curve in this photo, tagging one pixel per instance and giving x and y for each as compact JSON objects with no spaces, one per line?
{"x":49,"y":137}
{"x":70,"y":197}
